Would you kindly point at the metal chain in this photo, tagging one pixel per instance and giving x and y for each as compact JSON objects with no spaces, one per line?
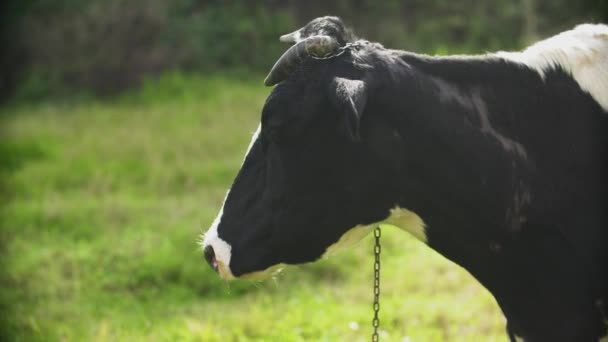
{"x":339,"y":51}
{"x":377,"y":250}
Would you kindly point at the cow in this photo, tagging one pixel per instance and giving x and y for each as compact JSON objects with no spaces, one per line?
{"x":499,"y":162}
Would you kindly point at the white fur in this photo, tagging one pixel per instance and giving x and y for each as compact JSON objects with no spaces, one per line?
{"x":582,"y":52}
{"x":221,"y":248}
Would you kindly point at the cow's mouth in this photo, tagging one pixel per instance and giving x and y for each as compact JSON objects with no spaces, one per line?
{"x":217,"y":265}
{"x":224,"y":271}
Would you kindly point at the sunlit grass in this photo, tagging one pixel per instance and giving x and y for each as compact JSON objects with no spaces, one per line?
{"x":102,"y":206}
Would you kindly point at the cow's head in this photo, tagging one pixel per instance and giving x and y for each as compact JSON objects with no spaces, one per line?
{"x":321,"y":163}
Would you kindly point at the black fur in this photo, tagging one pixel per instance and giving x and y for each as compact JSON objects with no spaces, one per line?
{"x":509,"y":172}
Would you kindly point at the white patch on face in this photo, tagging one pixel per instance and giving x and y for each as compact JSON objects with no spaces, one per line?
{"x":403,"y":219}
{"x":582,"y":52}
{"x":221,"y":248}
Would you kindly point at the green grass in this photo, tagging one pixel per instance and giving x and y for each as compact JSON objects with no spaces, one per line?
{"x":102,"y":206}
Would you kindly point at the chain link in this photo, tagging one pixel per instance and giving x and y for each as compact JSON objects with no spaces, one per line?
{"x":377,"y":250}
{"x":339,"y":51}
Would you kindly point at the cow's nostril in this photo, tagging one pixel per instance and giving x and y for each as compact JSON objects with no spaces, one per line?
{"x":210,"y":257}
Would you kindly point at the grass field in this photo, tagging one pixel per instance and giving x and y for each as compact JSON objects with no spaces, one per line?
{"x":102,"y":206}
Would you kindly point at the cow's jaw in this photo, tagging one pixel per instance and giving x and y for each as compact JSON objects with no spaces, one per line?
{"x":264,"y":274}
{"x":403,"y":219}
{"x":348,"y":239}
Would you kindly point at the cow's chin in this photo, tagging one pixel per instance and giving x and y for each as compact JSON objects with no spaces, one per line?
{"x":224,"y":271}
{"x":262,"y":275}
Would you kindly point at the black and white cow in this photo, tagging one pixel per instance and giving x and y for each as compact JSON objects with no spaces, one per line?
{"x":499,"y":162}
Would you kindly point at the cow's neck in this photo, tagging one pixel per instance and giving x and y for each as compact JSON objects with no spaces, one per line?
{"x":464,"y":174}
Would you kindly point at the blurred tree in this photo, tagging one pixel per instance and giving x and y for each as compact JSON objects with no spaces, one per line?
{"x":530,"y":21}
{"x":12,"y":58}
{"x":108,"y":45}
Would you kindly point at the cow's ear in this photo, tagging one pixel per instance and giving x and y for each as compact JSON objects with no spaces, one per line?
{"x":349,"y":98}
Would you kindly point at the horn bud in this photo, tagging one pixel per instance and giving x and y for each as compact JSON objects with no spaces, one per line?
{"x":316,"y":46}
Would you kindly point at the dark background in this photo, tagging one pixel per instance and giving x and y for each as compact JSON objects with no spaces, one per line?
{"x":54,"y":47}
